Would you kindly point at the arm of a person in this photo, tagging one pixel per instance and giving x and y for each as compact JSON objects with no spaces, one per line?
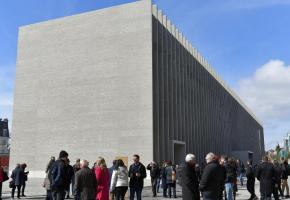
{"x":113,"y":181}
{"x":130,"y":172}
{"x":58,"y":175}
{"x":143,"y":172}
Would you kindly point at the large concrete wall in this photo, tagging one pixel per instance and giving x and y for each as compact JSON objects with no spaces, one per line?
{"x":191,"y":107}
{"x":84,"y":84}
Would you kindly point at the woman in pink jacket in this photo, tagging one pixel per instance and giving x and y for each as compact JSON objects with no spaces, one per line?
{"x":103,"y":178}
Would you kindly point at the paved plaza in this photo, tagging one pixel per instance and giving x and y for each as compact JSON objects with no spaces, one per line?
{"x":36,"y":191}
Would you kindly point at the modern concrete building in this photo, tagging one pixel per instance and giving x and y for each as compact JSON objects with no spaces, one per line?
{"x":119,"y":81}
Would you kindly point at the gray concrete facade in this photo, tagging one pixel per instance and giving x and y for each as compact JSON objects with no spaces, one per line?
{"x":84,"y":84}
{"x":119,"y":81}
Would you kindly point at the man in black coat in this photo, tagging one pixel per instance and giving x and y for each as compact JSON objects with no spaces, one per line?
{"x":189,"y":179}
{"x":154,"y":174}
{"x":212,"y":177}
{"x":17,"y":180}
{"x":69,"y":171}
{"x":266,"y":176}
{"x":137,"y":173}
{"x":85,"y":183}
{"x":58,"y":177}
{"x":250,"y":174}
{"x":277,"y":184}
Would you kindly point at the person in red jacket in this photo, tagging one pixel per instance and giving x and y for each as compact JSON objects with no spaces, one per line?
{"x":103,"y":178}
{"x":1,"y":181}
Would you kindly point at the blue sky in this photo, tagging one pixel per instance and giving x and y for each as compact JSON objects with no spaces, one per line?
{"x":246,"y":41}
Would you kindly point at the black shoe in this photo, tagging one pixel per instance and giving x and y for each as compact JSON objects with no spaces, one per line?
{"x":287,"y":196}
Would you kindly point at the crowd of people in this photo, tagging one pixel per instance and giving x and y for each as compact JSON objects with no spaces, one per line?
{"x":17,"y":180}
{"x":217,"y":179}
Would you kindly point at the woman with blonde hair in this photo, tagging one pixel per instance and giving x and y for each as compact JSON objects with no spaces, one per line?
{"x":103,"y":178}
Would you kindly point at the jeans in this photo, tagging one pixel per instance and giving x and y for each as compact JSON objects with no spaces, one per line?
{"x":58,"y":195}
{"x":158,"y":184}
{"x":241,"y":178}
{"x":265,"y":196}
{"x":173,"y":186}
{"x":164,"y":190}
{"x":121,"y":192}
{"x":48,"y":195}
{"x":137,"y":190}
{"x":229,"y":191}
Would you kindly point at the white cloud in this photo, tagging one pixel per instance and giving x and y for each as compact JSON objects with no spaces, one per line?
{"x":267,"y":93}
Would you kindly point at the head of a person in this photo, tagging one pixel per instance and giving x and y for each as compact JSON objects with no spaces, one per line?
{"x":164,"y":164}
{"x":23,"y":165}
{"x":136,"y":159}
{"x":276,"y":163}
{"x":18,"y":165}
{"x":209,"y":157}
{"x":265,"y":159}
{"x":120,"y":163}
{"x":224,"y":159}
{"x":114,"y":162}
{"x":249,"y":162}
{"x":190,"y":159}
{"x":63,"y":155}
{"x":78,"y":161}
{"x":101,"y":162}
{"x":52,"y":158}
{"x":169,"y":163}
{"x":84,"y":163}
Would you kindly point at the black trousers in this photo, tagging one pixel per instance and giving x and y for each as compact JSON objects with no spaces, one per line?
{"x":154,"y":185}
{"x":251,"y":188}
{"x":0,"y":190}
{"x":120,"y":192}
{"x":23,"y":188}
{"x":18,"y":191}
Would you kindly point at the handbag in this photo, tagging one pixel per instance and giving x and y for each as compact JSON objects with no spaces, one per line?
{"x":11,"y":184}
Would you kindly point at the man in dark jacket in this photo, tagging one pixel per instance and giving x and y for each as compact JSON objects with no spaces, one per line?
{"x":250,"y":174}
{"x":230,"y":176}
{"x":85,"y":183}
{"x":58,"y":177}
{"x":266,"y":176}
{"x":277,"y":184}
{"x":17,"y":179}
{"x":25,"y":178}
{"x":69,"y":171}
{"x":137,"y":173}
{"x":189,"y":179}
{"x":212,"y":177}
{"x":154,"y":174}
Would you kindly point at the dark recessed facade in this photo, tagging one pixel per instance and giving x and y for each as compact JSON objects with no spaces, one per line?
{"x":192,"y":110}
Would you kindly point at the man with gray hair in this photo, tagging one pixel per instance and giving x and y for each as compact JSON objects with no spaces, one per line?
{"x":212,"y":177}
{"x":85,"y":182}
{"x":189,"y":179}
